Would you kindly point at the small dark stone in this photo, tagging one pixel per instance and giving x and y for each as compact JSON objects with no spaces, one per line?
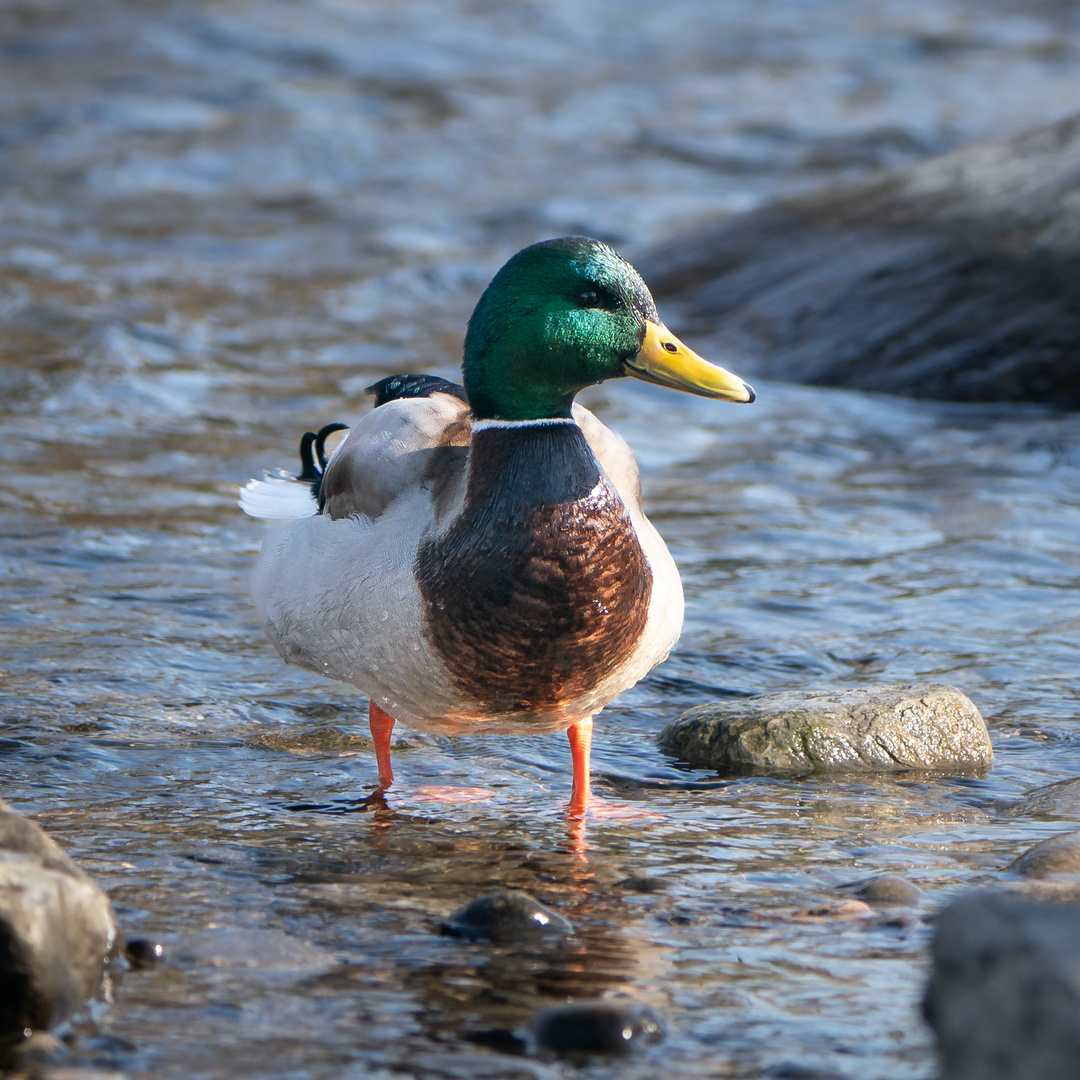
{"x":887,"y":889}
{"x":142,"y":952}
{"x":599,"y":1027}
{"x":642,"y":883}
{"x":506,"y":915}
{"x":1057,"y":857}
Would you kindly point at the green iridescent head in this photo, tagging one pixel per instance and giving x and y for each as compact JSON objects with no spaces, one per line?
{"x":564,"y":314}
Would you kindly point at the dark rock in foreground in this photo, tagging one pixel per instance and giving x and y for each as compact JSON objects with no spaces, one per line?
{"x":1004,"y":995}
{"x":957,"y":278}
{"x":506,"y":915}
{"x":893,"y":728}
{"x":605,"y":1027}
{"x":57,"y":929}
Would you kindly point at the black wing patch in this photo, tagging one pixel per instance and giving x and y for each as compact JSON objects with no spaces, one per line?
{"x":407,"y":386}
{"x":313,"y":455}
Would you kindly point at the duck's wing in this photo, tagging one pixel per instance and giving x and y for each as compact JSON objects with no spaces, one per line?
{"x":407,"y":444}
{"x":417,"y":434}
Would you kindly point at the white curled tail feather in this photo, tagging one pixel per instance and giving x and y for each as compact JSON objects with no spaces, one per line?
{"x":278,"y":497}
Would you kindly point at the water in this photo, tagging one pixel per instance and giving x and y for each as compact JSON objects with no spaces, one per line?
{"x":219,"y":223}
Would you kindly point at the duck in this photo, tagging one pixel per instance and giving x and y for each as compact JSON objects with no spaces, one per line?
{"x":475,"y":558}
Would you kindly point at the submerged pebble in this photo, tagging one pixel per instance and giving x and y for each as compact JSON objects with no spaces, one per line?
{"x":602,"y":1027}
{"x":506,"y":915}
{"x":838,"y":909}
{"x":643,"y":883}
{"x":892,"y":728}
{"x":886,"y":889}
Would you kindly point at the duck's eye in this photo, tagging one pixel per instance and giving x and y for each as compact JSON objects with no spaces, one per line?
{"x":589,"y":298}
{"x":671,"y":346}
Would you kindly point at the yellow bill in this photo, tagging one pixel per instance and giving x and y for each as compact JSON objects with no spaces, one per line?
{"x":665,"y":360}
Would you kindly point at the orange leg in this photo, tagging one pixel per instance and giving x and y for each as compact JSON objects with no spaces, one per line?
{"x":580,"y":736}
{"x":382,"y":724}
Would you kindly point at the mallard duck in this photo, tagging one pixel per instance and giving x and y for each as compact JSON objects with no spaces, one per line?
{"x":476,"y":559}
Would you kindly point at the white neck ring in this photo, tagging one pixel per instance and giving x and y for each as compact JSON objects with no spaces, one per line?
{"x":506,"y":425}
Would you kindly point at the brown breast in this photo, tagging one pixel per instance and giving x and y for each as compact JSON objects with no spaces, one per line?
{"x":540,"y":588}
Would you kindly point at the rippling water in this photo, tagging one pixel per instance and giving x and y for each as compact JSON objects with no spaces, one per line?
{"x":218,"y":223}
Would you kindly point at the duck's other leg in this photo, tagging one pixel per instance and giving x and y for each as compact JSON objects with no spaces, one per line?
{"x":382,"y":725}
{"x":580,"y":736}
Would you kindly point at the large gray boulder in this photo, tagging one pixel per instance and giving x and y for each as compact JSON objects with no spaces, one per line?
{"x":956,"y":278}
{"x":1004,"y":995}
{"x":57,"y":929}
{"x":891,"y":728}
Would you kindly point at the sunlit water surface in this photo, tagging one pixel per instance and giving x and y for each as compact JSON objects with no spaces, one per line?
{"x":220,"y":222}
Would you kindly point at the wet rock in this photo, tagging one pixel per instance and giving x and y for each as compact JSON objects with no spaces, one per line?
{"x":57,"y":929}
{"x":1056,"y":858}
{"x":886,"y":889}
{"x":141,"y":952}
{"x":1005,"y":990}
{"x":893,"y":728}
{"x":1060,"y":800}
{"x":955,"y":278}
{"x":506,"y":915}
{"x":601,"y":1027}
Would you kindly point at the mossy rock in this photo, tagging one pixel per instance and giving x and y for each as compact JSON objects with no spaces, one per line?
{"x":893,"y":728}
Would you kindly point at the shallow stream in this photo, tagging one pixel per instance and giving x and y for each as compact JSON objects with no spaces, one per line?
{"x":219,"y":222}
